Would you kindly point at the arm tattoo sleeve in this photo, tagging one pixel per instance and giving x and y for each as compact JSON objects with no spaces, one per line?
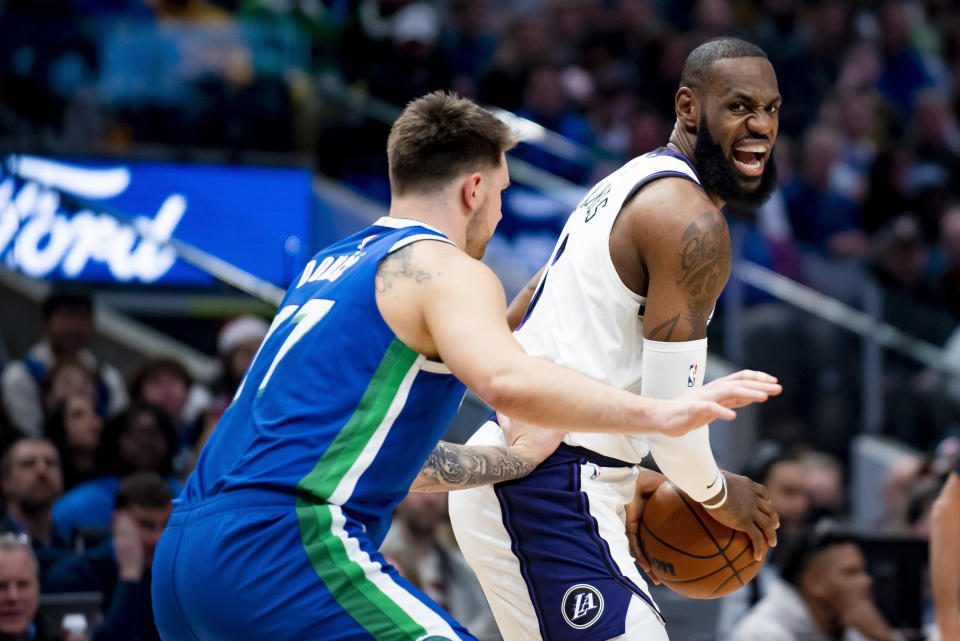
{"x":458,"y":467}
{"x":704,"y":267}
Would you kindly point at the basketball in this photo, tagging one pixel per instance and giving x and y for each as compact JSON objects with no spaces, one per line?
{"x":690,"y":552}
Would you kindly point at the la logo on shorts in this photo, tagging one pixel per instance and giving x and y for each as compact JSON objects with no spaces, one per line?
{"x":582,"y":606}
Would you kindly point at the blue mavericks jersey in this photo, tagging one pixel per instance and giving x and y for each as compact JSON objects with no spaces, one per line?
{"x":334,"y":409}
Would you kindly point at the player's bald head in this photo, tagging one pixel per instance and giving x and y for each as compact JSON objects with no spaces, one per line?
{"x":696,"y":70}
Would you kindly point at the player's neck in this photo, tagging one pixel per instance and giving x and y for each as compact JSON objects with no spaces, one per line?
{"x":682,"y":142}
{"x":685,"y":143}
{"x":435,"y":211}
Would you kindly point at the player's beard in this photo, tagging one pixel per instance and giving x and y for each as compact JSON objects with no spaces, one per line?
{"x":477,"y":238}
{"x":719,"y":177}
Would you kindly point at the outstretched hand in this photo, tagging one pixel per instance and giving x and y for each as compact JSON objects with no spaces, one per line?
{"x":716,"y":400}
{"x":743,"y":388}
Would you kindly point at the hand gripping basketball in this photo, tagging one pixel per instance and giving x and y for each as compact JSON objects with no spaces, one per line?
{"x":689,"y":551}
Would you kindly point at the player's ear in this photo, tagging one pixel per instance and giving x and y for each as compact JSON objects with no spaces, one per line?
{"x":471,"y":191}
{"x":688,"y":109}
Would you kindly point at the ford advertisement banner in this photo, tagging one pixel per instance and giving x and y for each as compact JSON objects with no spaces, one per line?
{"x":65,"y":219}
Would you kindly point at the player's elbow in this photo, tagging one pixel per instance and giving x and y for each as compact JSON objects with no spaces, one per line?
{"x":503,"y":390}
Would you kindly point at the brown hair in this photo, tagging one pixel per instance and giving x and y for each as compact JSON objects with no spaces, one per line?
{"x":440,"y":136}
{"x":155,"y":366}
{"x":143,"y":489}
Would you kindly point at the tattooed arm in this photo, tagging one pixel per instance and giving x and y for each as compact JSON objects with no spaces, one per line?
{"x":687,"y":265}
{"x":458,"y":467}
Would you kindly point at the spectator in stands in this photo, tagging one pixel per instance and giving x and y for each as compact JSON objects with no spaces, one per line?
{"x":913,"y":300}
{"x":821,"y":216}
{"x":936,"y":139}
{"x":546,"y":102}
{"x":68,"y":329}
{"x":76,"y":428}
{"x":950,"y":250}
{"x":908,"y":495}
{"x":120,"y":567}
{"x":142,"y":439}
{"x":32,"y":481}
{"x":904,"y":71}
{"x":825,"y":594}
{"x":415,"y":65}
{"x":824,"y":484}
{"x":781,"y":472}
{"x":68,"y":377}
{"x":525,"y":44}
{"x":237,"y":344}
{"x":436,"y":566}
{"x":469,"y":44}
{"x":19,"y":591}
{"x":166,"y":383}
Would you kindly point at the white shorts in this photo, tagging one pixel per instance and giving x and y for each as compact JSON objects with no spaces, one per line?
{"x":551,"y":552}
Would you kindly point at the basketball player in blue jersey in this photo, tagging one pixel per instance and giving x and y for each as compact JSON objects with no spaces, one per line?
{"x":276,"y":533}
{"x":626,"y":297}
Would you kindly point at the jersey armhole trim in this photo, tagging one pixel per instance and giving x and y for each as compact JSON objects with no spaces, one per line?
{"x":409,"y":240}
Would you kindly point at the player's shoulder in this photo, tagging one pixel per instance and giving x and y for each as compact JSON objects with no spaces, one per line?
{"x":673,"y":206}
{"x":436,"y":252}
{"x":432,"y":262}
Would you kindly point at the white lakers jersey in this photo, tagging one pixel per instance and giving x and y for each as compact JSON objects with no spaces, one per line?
{"x":581,"y":314}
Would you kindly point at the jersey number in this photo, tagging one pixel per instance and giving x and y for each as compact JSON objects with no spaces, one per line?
{"x":304,"y":317}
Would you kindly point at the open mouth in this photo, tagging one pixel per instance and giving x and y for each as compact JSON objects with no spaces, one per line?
{"x":750,"y":158}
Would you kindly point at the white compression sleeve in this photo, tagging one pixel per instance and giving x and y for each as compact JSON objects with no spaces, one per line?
{"x":671,"y":370}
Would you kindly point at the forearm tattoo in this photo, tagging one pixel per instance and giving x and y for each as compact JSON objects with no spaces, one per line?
{"x":457,"y":467}
{"x":396,"y":266}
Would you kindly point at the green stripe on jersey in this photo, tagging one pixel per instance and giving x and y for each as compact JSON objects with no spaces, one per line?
{"x":347,"y":580}
{"x":363,"y":423}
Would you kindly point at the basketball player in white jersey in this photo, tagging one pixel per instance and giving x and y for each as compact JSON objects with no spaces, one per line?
{"x":625,"y":298}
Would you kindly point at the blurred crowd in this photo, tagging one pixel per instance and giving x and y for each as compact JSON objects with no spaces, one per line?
{"x":90,"y":464}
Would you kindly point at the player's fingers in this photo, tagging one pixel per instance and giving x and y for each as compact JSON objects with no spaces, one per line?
{"x":739,"y":395}
{"x":644,"y":563}
{"x":749,"y":374}
{"x":712,"y":410}
{"x":770,"y":389}
{"x":768,"y":525}
{"x":766,"y":507}
{"x":735,"y":393}
{"x":761,"y":491}
{"x":758,"y":540}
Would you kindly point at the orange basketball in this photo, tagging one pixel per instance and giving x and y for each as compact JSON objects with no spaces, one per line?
{"x":689,"y":551}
